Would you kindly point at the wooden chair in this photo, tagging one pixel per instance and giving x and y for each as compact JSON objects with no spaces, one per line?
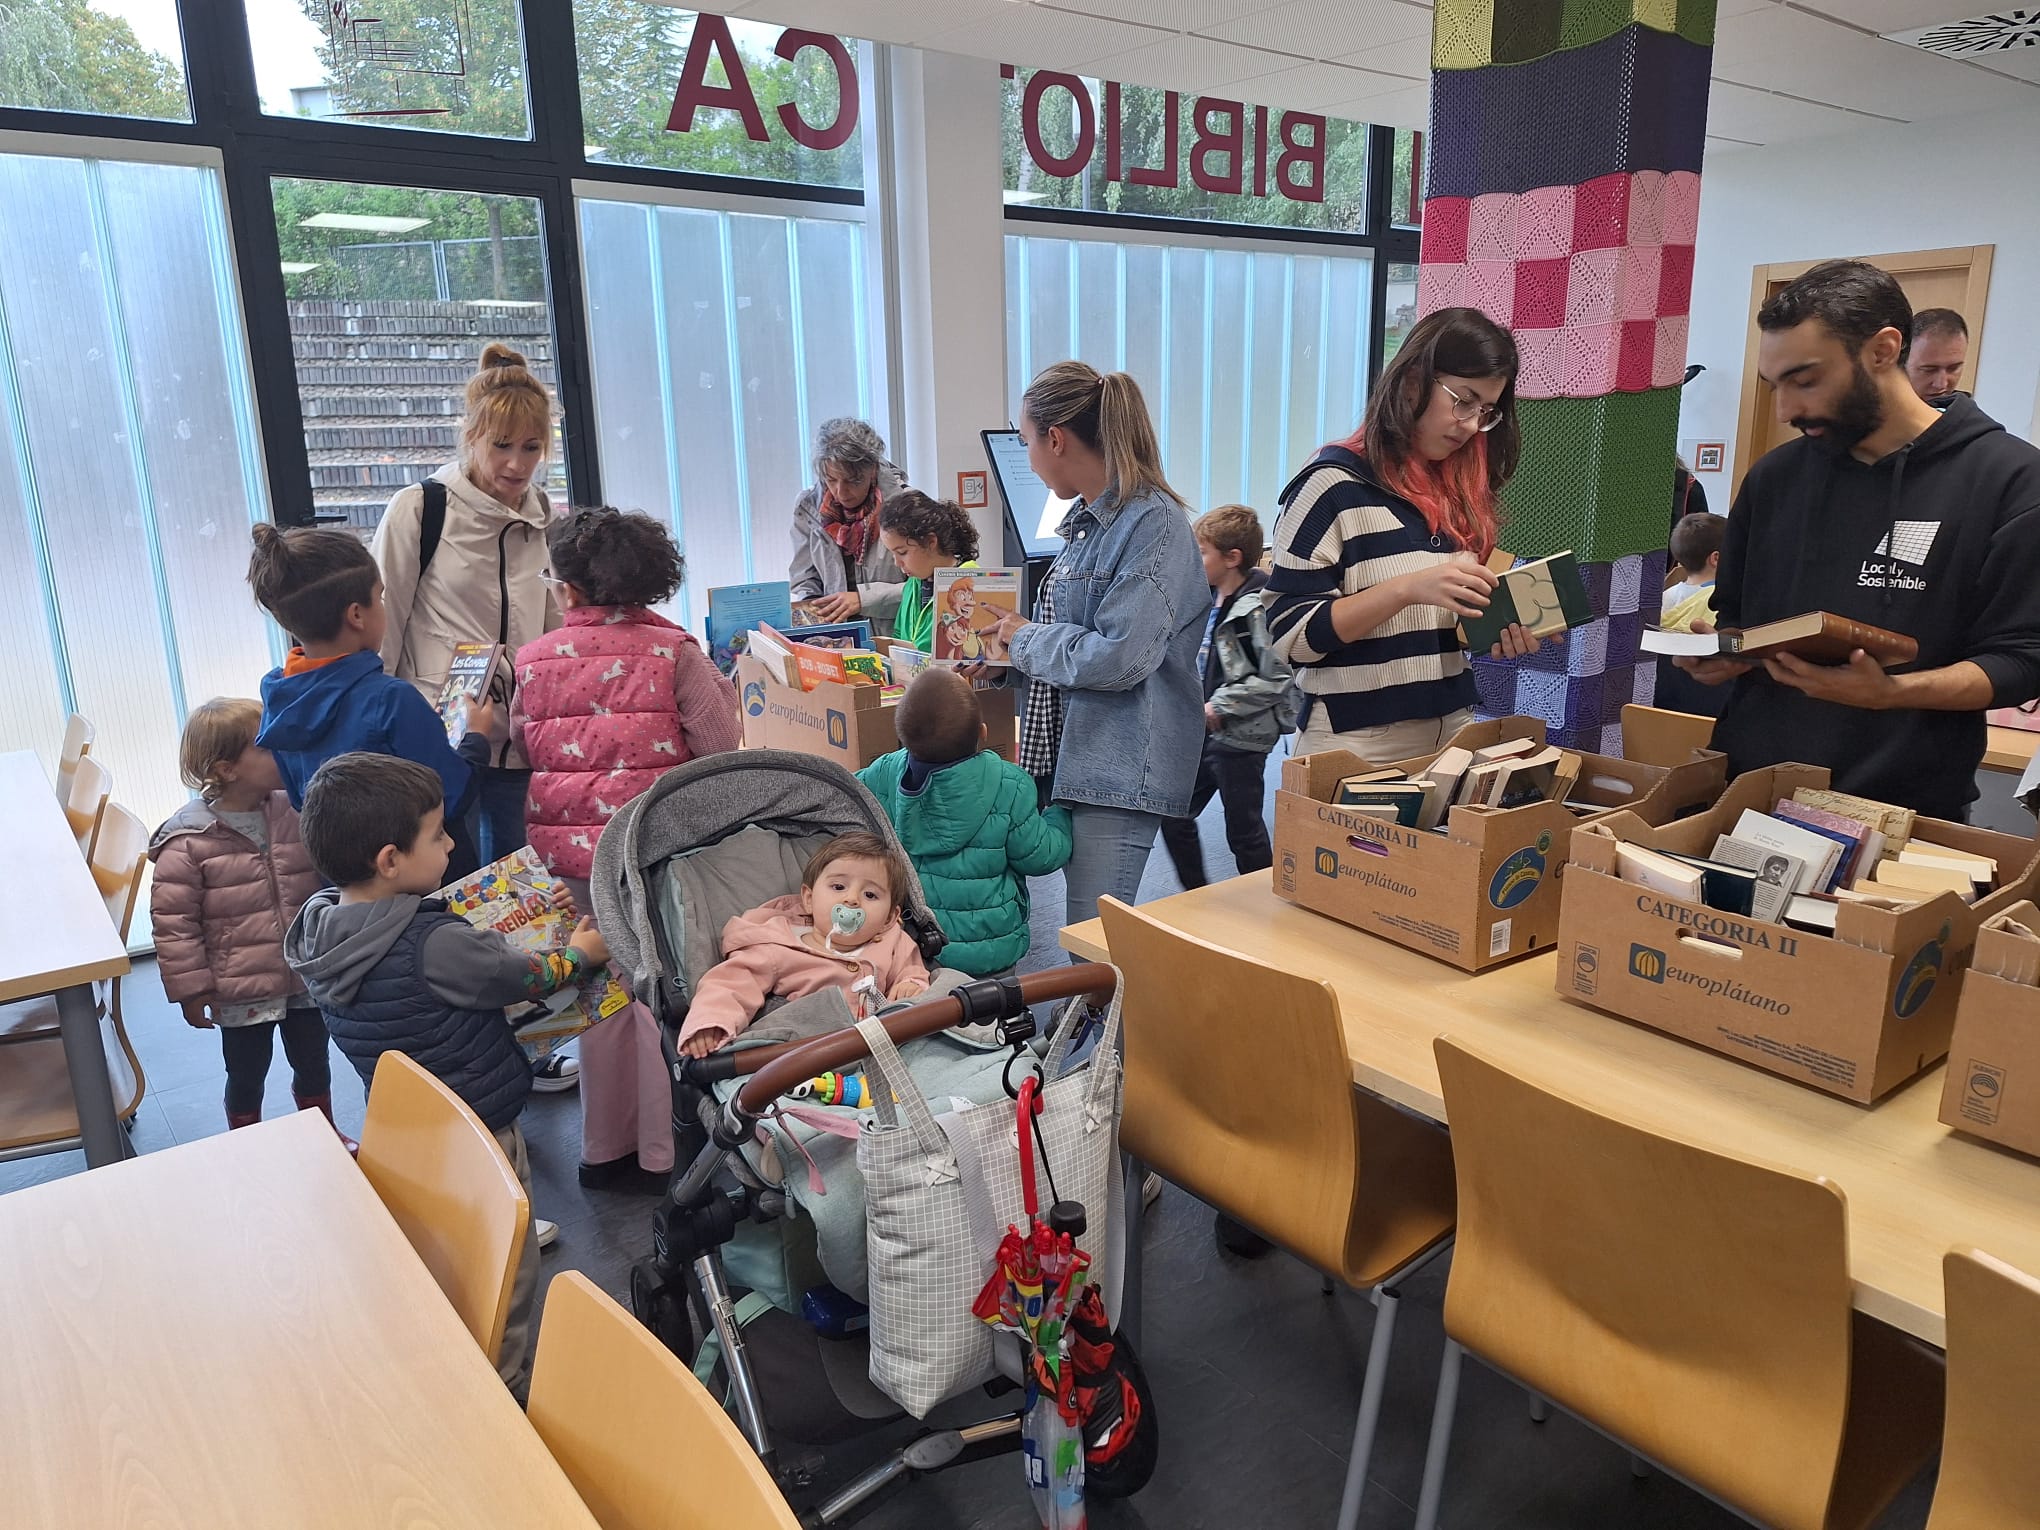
{"x":443,"y":1177}
{"x":1692,"y":1305}
{"x":642,"y":1441}
{"x":1990,"y":1474}
{"x":1238,"y":1088}
{"x":1654,"y":736}
{"x":78,"y":736}
{"x":91,"y":786}
{"x":37,"y":1112}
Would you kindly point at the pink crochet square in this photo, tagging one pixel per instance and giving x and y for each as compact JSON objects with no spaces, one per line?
{"x":1669,"y":369}
{"x":1680,"y":222}
{"x":1491,"y":234}
{"x":1544,"y":223}
{"x":1541,"y":353}
{"x":1441,"y":286}
{"x":1675,"y":279}
{"x":1590,"y":355}
{"x":1647,"y":207}
{"x":1601,"y":213}
{"x":1540,"y":293}
{"x":1640,"y":268}
{"x":1491,"y":287}
{"x":1638,"y":359}
{"x":1445,"y":228}
{"x":1593,"y":295}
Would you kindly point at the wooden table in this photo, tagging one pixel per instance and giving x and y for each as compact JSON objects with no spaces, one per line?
{"x":235,"y":1334}
{"x":60,"y":940}
{"x":2010,"y":750}
{"x":1914,"y":1188}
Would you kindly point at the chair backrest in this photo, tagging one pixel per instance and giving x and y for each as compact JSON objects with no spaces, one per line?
{"x":642,"y":1441}
{"x":1655,"y":736}
{"x":91,"y":785}
{"x":443,"y":1177}
{"x":1694,"y":1304}
{"x":119,"y":853}
{"x":1238,"y":1088}
{"x":1990,"y":1473}
{"x":78,"y":736}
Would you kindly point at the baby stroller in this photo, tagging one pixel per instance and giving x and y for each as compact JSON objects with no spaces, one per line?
{"x":708,"y":841}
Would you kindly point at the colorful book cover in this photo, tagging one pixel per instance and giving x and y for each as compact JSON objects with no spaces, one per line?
{"x":969,"y":605}
{"x":1546,"y":597}
{"x":866,"y":668}
{"x":467,"y":676}
{"x":841,"y":635}
{"x":819,"y":666}
{"x":735,"y":612}
{"x":522,"y":901}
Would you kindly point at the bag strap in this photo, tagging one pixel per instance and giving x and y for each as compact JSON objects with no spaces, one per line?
{"x":1065,"y":1036}
{"x":431,"y":523}
{"x":895,"y":1083}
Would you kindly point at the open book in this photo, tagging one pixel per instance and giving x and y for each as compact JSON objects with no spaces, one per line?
{"x":1819,"y":637}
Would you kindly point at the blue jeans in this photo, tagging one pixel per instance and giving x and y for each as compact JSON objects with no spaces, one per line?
{"x":499,"y":812}
{"x":1110,"y":852}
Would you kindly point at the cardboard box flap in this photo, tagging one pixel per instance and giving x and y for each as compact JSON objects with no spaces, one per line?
{"x":2008,"y":945}
{"x":1497,"y":730}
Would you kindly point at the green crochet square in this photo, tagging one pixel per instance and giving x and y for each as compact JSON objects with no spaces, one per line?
{"x":1527,"y":29}
{"x":1462,"y":34}
{"x":1596,"y":476}
{"x":1588,"y":21}
{"x":1696,"y":21}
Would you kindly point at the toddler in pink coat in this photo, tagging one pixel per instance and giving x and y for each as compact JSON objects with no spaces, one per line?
{"x":841,"y":930}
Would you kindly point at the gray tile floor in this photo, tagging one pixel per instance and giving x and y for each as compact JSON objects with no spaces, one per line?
{"x":1255,"y":1373}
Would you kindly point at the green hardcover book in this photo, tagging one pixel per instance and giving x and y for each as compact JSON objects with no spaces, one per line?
{"x":1547,"y":597}
{"x":1404,"y":799}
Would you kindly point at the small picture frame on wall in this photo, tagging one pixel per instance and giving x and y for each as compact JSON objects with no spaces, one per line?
{"x":973,"y":491}
{"x":1707,"y":456}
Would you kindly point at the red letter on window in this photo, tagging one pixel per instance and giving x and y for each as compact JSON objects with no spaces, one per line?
{"x":712,"y":38}
{"x":1030,"y":123}
{"x":838,"y":132}
{"x":1228,"y":144}
{"x":1307,"y":157}
{"x":1169,"y":172}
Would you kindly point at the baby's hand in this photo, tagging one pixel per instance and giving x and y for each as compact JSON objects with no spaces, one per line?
{"x":589,"y":942}
{"x":907,"y":988}
{"x":701,"y":1043}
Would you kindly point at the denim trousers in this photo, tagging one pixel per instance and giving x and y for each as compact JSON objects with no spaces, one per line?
{"x":1110,"y":852}
{"x":1240,"y":781}
{"x":499,"y":811}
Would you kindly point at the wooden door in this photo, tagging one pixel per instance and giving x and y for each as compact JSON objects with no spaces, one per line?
{"x":1956,"y":278}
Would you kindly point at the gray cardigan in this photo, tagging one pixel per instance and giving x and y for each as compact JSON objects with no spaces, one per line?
{"x":817,"y":566}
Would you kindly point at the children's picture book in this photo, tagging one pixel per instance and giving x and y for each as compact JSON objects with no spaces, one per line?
{"x":819,"y":666}
{"x":1546,"y":596}
{"x":525,"y":903}
{"x":735,"y":612}
{"x":969,"y":604}
{"x":838,"y":635}
{"x":468,"y":676}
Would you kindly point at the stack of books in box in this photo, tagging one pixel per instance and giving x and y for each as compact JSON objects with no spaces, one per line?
{"x":1505,"y":775}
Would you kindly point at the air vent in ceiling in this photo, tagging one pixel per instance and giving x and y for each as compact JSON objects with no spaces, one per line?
{"x":2005,"y":41}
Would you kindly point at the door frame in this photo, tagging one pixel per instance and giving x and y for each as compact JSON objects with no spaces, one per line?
{"x":1975,"y":257}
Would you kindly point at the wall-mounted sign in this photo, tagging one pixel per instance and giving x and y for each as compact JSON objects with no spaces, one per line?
{"x":972,"y":490}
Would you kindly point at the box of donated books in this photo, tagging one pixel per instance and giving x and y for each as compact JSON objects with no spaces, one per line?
{"x":1458,"y":854}
{"x":846,"y":720}
{"x":1812,"y":933}
{"x":1992,"y":1089}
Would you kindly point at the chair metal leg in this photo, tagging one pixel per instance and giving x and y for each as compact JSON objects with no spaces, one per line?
{"x":1441,"y":1438}
{"x":1386,"y":1304}
{"x":1638,"y":1467}
{"x":1129,"y":1297}
{"x":1540,"y":1410}
{"x":1325,"y":1284}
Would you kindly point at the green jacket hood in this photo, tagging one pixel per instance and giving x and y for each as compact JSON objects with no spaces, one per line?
{"x":951,"y":807}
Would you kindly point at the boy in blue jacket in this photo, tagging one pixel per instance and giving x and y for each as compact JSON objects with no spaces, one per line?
{"x":331,"y":695}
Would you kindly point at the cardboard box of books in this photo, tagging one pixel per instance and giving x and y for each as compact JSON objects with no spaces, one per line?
{"x":1992,"y":1089}
{"x":849,"y":723}
{"x":1458,"y":854}
{"x":1814,"y":934}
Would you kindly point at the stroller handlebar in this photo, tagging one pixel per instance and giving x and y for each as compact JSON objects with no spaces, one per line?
{"x":774,"y":1070}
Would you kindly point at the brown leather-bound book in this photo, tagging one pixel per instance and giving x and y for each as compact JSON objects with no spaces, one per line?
{"x":1819,"y":637}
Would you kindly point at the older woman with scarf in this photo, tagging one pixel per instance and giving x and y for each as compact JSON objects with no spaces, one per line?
{"x":839,"y":562}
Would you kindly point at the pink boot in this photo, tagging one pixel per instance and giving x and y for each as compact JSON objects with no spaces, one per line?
{"x":324,"y":1102}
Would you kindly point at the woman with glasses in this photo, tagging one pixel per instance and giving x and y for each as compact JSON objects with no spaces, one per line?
{"x":1383,"y":542}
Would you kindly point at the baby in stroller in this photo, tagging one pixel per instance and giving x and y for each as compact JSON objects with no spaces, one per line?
{"x":841,"y":930}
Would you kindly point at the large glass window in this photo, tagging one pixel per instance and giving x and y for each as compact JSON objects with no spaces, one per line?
{"x":718,"y":341}
{"x":1401,"y":316}
{"x":718,"y":95}
{"x":128,"y":468}
{"x":1406,"y":180}
{"x":120,"y":58}
{"x":1250,"y":357}
{"x":454,"y":66}
{"x":392,"y":293}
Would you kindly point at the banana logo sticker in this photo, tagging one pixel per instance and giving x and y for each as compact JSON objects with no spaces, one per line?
{"x":1648,"y":963}
{"x":839,"y":731}
{"x":1327,"y":862}
{"x":1516,"y":878}
{"x":754,"y":698}
{"x":1916,"y":983}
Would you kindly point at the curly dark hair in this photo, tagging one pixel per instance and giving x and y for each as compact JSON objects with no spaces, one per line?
{"x":615,"y":557}
{"x":916,"y":516}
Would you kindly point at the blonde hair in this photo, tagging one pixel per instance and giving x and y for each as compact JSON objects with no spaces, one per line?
{"x":1107,"y":413}
{"x":504,"y":401}
{"x":1234,"y":528}
{"x":217,"y":733}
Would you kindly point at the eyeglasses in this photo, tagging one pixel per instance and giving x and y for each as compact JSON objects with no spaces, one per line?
{"x":1464,"y":409}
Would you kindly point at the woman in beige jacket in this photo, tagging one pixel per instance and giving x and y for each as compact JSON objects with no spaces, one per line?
{"x":482,"y":580}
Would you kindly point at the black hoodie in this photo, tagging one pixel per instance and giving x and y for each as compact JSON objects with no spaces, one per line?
{"x":1940,"y":540}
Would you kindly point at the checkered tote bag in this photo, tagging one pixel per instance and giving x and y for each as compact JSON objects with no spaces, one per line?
{"x":939,"y":1193}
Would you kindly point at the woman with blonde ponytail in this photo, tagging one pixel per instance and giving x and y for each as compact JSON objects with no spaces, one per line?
{"x":1114,"y":710}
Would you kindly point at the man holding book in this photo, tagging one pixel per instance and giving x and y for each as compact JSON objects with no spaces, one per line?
{"x":1889,"y":515}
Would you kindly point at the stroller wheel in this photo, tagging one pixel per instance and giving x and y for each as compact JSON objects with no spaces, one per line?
{"x":657,"y":1302}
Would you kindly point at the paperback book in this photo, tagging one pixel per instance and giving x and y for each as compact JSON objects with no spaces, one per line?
{"x":969,"y":605}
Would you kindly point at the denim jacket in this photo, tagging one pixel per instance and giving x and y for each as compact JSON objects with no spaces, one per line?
{"x":1130,"y":604}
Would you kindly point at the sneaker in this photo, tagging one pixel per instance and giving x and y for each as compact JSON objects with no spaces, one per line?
{"x":625,"y":1174}
{"x":558,"y":1072}
{"x":548,"y":1232}
{"x":1151,"y":1188}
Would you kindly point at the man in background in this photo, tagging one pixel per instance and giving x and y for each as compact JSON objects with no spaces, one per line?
{"x":1940,"y":348}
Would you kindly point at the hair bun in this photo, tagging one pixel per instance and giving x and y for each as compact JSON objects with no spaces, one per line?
{"x":497,"y":354}
{"x":264,"y":535}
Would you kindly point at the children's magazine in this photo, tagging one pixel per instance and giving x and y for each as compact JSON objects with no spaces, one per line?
{"x":521,"y":900}
{"x":467,"y":676}
{"x":969,"y":603}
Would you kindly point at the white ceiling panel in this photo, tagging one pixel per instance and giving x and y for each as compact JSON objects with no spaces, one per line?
{"x":1409,"y":107}
{"x":1791,"y":51}
{"x":1193,"y":64}
{"x":1318,"y":87}
{"x":1327,"y":28}
{"x":1893,"y":15}
{"x":1756,"y":117}
{"x":1172,"y":15}
{"x":1025,"y":34}
{"x":1409,"y":57}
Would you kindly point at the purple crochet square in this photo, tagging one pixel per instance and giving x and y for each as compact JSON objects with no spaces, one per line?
{"x":1586,"y":649}
{"x":1625,"y":638}
{"x":1586,"y":704}
{"x":1599,"y":580}
{"x":1496,"y":683}
{"x":1542,"y":697}
{"x":1549,"y":658}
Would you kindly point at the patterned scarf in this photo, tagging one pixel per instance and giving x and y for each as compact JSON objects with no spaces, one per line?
{"x":851,"y":529}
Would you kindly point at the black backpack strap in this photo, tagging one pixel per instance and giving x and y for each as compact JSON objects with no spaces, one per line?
{"x":431,"y":524}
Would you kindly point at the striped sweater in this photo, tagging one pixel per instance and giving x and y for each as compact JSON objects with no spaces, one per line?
{"x":1341,"y":532}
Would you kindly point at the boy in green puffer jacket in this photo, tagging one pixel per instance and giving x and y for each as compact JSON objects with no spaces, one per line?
{"x":969,"y":822}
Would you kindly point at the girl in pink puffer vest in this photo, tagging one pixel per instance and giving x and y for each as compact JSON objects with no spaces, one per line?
{"x":604,"y":706}
{"x":231,"y":875}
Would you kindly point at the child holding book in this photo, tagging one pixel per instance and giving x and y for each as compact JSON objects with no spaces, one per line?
{"x":331,"y":696}
{"x":393,"y":970}
{"x":841,"y":930}
{"x":231,"y":875}
{"x":924,"y":534}
{"x":605,"y":705}
{"x":1696,"y":549}
{"x":970,"y":822}
{"x":1248,"y":698}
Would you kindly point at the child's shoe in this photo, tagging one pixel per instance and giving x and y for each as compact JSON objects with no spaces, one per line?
{"x":323,"y":1103}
